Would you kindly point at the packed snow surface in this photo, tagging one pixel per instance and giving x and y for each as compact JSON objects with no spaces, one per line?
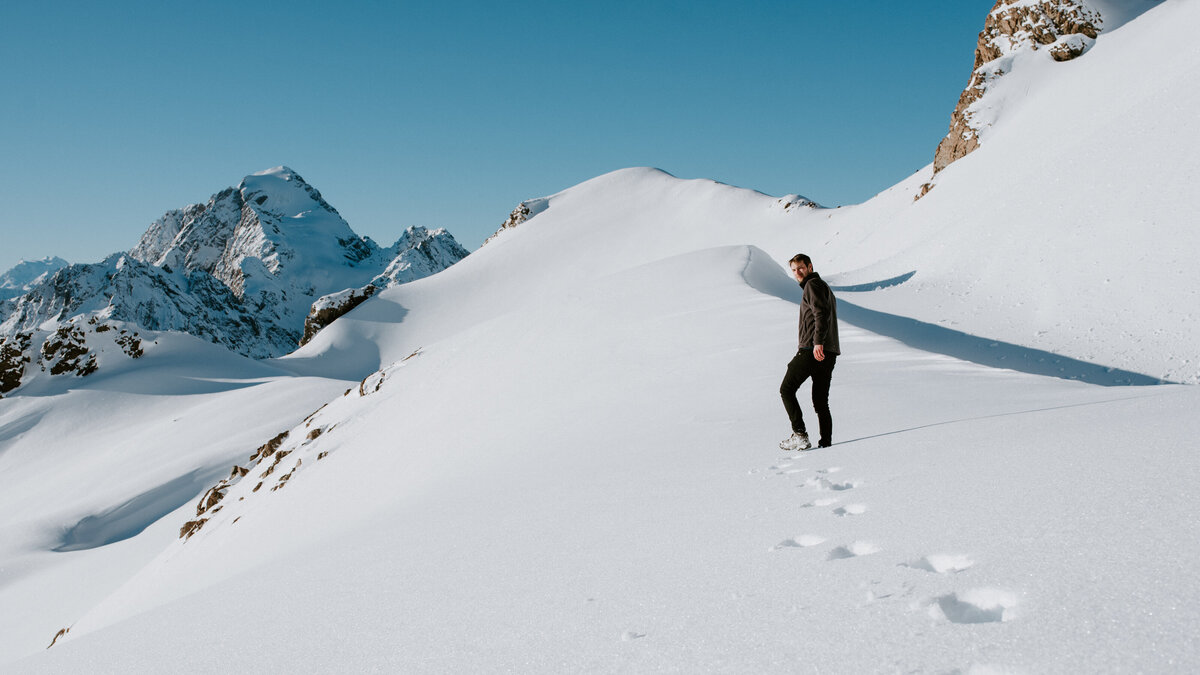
{"x":559,"y":455}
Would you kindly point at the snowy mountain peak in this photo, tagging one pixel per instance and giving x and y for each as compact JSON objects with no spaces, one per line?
{"x":22,"y":276}
{"x":242,"y":270}
{"x":282,"y":192}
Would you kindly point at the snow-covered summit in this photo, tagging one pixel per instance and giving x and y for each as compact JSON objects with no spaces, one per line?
{"x":242,"y":270}
{"x":25,"y":274}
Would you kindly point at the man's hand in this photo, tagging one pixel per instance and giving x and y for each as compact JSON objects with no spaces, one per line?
{"x":819,"y":352}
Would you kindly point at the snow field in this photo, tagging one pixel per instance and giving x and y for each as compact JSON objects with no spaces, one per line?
{"x":481,"y":514}
{"x":577,"y":469}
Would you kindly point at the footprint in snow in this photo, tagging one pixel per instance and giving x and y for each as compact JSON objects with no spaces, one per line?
{"x":826,"y":484}
{"x":832,"y":469}
{"x":978,"y":605}
{"x":854,"y":550}
{"x":827,"y":501}
{"x":850,"y":510}
{"x":629,"y":636}
{"x":943,"y":563}
{"x":803,"y":541}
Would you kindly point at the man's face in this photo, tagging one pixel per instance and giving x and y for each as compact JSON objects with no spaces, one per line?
{"x":801,"y":270}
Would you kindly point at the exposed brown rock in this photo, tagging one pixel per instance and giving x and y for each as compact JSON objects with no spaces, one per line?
{"x":362,"y":386}
{"x":269,"y":448}
{"x":320,"y":317}
{"x":518,"y":216}
{"x":210,"y":498}
{"x":1067,"y":26}
{"x":308,"y":420}
{"x":191,"y":527}
{"x":524,"y":211}
{"x":61,"y":632}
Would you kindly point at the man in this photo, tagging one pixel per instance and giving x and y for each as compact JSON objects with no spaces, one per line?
{"x":815,"y":358}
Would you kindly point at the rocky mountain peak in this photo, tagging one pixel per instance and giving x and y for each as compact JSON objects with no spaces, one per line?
{"x":243,"y":270}
{"x":1065,"y":29}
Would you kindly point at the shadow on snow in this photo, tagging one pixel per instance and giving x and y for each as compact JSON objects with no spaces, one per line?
{"x":763,"y":274}
{"x":130,"y":518}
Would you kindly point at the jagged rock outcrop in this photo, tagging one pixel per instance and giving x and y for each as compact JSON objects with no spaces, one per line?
{"x":524,"y":211}
{"x":14,"y":357}
{"x":73,"y":348}
{"x":227,"y":500}
{"x":1065,"y":28}
{"x":422,"y":252}
{"x":331,"y":307}
{"x":789,"y":203}
{"x":242,"y":270}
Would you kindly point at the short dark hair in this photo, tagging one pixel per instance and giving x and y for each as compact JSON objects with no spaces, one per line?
{"x":801,"y":258}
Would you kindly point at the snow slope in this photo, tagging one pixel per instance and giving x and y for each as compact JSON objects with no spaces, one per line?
{"x":92,"y":465}
{"x":1072,"y":228}
{"x":560,"y":456}
{"x":604,"y":497}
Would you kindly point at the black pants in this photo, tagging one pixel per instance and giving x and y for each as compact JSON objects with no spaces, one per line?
{"x":804,"y":366}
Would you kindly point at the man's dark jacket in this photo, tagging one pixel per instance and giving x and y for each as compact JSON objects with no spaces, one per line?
{"x":818,"y":315}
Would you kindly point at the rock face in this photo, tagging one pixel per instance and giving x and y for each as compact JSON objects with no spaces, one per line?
{"x":242,"y":270}
{"x":524,"y":211}
{"x":76,"y":347}
{"x":331,"y":307}
{"x":1065,"y":28}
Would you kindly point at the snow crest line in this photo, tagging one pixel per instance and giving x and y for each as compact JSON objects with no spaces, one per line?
{"x":764,"y":275}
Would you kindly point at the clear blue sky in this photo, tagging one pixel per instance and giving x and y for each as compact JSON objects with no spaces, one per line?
{"x":446,"y":114}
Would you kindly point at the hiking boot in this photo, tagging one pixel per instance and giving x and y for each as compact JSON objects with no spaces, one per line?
{"x":797,"y":441}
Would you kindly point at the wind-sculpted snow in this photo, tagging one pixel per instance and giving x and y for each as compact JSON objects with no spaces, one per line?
{"x":133,"y":516}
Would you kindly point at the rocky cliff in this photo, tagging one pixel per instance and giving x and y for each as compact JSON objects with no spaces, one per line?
{"x":1062,"y":29}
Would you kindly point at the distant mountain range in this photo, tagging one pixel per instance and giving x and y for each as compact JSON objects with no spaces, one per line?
{"x":26,"y":274}
{"x":243,"y":270}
